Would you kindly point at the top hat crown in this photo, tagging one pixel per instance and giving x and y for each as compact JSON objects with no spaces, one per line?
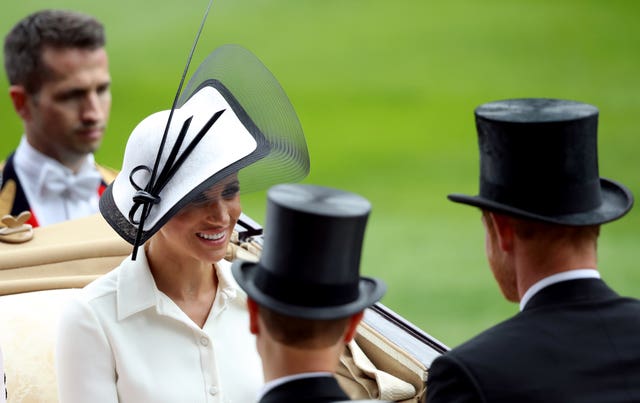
{"x":310,"y":261}
{"x":539,"y":160}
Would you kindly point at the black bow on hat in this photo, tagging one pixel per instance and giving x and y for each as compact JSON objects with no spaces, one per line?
{"x":310,"y":261}
{"x":539,"y":160}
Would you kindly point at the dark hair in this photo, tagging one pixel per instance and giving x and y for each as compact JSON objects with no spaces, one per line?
{"x":24,"y":44}
{"x":552,"y":233}
{"x":303,"y":333}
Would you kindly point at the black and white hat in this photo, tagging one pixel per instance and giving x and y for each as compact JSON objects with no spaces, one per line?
{"x":233,"y":118}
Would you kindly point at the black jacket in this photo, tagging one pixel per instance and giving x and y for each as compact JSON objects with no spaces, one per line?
{"x":306,"y":390}
{"x":575,"y":341}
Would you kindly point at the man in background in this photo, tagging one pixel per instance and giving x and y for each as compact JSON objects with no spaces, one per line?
{"x":58,"y":73}
{"x":542,"y":202}
{"x":305,"y":296}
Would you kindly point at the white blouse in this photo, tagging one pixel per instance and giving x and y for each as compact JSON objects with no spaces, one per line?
{"x":123,"y":340}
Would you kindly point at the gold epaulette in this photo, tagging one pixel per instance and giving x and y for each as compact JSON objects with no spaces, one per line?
{"x":7,"y":196}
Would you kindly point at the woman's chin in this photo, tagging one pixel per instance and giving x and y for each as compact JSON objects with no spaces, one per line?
{"x":214,"y":256}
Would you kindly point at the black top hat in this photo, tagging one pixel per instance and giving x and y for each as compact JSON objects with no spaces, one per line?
{"x":539,"y":160}
{"x":309,"y":266}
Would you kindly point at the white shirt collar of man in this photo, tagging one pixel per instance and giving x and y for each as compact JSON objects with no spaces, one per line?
{"x":54,"y":192}
{"x":556,"y":278}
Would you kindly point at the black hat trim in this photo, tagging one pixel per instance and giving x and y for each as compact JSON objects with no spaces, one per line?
{"x":370,"y":290}
{"x":575,"y":198}
{"x":296,"y":292}
{"x":617,"y":200}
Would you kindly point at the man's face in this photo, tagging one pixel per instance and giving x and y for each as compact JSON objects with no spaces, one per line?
{"x":67,"y":117}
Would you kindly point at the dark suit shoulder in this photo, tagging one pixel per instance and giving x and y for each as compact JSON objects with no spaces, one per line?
{"x":306,"y":390}
{"x":460,"y":374}
{"x":576,"y":349}
{"x":451,"y":380}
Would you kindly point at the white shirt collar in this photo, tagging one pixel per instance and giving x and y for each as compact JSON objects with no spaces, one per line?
{"x":30,"y":161}
{"x":556,"y":278}
{"x":137,"y":289}
{"x":31,"y":165}
{"x":279,"y":381}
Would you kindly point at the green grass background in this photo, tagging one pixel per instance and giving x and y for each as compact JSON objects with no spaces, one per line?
{"x":385,"y":91}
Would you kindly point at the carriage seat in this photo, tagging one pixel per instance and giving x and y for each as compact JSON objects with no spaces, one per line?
{"x":39,"y":277}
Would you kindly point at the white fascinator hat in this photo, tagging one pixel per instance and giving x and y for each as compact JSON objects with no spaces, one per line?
{"x":233,"y":117}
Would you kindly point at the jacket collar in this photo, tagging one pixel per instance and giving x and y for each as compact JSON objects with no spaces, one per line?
{"x":316,"y":389}
{"x":556,"y":278}
{"x":571,"y":291}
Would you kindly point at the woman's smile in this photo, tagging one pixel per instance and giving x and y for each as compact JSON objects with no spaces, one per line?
{"x":219,"y":236}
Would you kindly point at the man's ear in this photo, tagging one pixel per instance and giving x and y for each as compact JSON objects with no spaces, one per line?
{"x":19,"y":98}
{"x":253,"y":308}
{"x":354,"y":320}
{"x":503,"y":227}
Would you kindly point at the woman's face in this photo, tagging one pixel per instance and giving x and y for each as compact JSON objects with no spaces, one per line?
{"x":202,"y":229}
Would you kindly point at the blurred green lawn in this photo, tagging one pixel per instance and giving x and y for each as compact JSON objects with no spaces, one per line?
{"x":385,"y":91}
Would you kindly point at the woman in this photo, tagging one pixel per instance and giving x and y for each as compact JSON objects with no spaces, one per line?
{"x":170,"y":324}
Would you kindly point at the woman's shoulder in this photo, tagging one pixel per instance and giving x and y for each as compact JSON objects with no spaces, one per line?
{"x":95,"y":300}
{"x":103,"y":285}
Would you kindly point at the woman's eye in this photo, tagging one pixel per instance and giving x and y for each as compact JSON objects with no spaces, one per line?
{"x":230,"y":192}
{"x":199,"y":202}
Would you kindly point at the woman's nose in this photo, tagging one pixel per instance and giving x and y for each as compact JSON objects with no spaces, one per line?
{"x":217,"y":211}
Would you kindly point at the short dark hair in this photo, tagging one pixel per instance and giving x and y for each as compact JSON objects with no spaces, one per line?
{"x":552,"y":233}
{"x":24,"y":44}
{"x":302,"y":333}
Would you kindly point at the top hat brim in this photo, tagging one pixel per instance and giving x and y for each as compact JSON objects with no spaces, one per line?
{"x":617,"y":200}
{"x":370,"y":291}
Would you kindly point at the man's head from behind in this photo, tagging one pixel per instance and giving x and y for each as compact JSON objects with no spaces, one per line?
{"x":301,"y":332}
{"x":306,"y":295}
{"x":543,"y":245}
{"x":59,"y":80}
{"x":540,"y":190}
